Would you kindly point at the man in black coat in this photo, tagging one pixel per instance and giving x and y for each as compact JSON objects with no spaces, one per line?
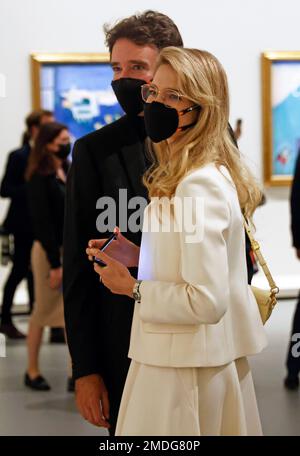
{"x":98,"y":323}
{"x":293,"y":358}
{"x":17,"y":221}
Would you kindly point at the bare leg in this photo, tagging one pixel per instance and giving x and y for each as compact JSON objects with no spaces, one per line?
{"x":34,"y":339}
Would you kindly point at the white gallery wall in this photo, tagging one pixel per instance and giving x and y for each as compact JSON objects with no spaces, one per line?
{"x":236,"y":31}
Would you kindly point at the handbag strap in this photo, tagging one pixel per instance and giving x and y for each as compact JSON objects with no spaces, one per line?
{"x":256,"y":249}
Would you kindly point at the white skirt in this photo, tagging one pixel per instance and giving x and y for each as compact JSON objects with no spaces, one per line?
{"x":208,"y":401}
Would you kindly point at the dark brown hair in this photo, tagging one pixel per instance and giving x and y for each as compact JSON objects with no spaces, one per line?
{"x":41,"y":161}
{"x":150,"y":27}
{"x":34,"y":120}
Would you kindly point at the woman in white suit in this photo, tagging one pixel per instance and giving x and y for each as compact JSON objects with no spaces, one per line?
{"x":196,"y":319}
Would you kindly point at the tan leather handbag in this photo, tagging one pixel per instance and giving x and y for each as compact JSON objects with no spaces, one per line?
{"x":266,"y":299}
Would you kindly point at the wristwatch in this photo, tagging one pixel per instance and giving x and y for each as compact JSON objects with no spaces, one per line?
{"x":136,"y":291}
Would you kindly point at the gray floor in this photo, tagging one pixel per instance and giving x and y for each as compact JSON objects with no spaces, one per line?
{"x":279,"y":408}
{"x":23,"y":412}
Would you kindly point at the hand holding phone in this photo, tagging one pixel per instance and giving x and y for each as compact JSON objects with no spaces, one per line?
{"x":105,"y":245}
{"x":122,"y":250}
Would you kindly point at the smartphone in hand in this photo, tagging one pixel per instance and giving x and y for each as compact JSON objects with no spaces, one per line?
{"x":105,"y":245}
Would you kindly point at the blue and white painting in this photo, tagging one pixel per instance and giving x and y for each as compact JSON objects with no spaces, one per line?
{"x":80,"y":95}
{"x":285,"y":116}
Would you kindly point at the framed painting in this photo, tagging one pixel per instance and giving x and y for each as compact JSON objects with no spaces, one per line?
{"x":281,"y":115}
{"x":77,"y":88}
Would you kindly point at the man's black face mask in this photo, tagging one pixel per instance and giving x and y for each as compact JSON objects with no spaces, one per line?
{"x":128,"y":93}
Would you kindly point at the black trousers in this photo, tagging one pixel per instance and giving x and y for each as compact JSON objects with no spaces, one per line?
{"x":21,"y":270}
{"x":293,"y":362}
{"x":115,"y":382}
{"x":115,"y":331}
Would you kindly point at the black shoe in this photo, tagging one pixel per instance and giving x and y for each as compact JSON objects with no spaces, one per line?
{"x":291,"y":382}
{"x":71,"y":385}
{"x":38,"y":383}
{"x":11,"y":331}
{"x":57,"y":336}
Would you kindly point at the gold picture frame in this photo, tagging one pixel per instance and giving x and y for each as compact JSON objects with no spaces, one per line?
{"x":89,"y":75}
{"x":280,"y":142}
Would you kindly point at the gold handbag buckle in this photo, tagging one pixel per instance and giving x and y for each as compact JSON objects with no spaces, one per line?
{"x":255,"y":245}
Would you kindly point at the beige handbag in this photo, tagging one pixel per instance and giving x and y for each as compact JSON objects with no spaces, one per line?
{"x":266,"y":299}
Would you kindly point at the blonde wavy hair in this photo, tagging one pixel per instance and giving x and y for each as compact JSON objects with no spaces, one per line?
{"x":201,"y":79}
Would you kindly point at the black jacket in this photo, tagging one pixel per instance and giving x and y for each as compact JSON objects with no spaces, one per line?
{"x":295,"y":206}
{"x":13,"y":186}
{"x":46,"y":198}
{"x":98,"y":322}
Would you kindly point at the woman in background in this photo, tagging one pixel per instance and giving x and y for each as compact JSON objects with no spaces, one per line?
{"x":46,"y":176}
{"x":17,"y":221}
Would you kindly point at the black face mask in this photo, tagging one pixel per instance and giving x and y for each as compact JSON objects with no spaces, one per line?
{"x":63,"y":151}
{"x":128,"y":93}
{"x":162,"y":122}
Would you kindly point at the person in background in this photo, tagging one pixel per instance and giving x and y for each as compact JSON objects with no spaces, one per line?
{"x":238,"y":129}
{"x":291,"y":381}
{"x":17,"y":221}
{"x":46,"y":177}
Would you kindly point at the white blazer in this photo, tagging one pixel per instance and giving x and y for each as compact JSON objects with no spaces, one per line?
{"x":196,"y":307}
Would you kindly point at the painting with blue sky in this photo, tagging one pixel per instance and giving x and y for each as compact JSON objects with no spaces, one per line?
{"x":285,"y":116}
{"x":80,"y":95}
